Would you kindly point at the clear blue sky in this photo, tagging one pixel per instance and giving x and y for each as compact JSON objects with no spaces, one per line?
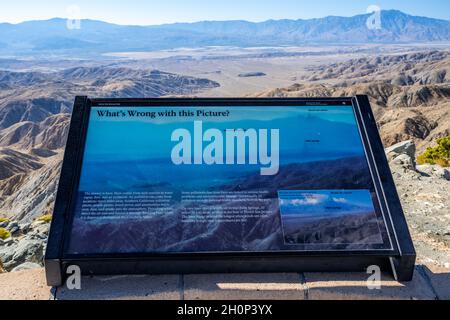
{"x":147,"y":12}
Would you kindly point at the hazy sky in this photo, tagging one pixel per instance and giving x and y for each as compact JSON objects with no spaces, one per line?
{"x":147,"y":12}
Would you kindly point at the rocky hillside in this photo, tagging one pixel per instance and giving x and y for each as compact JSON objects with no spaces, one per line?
{"x":25,"y":248}
{"x":31,"y":192}
{"x":401,"y":69}
{"x":424,"y":194}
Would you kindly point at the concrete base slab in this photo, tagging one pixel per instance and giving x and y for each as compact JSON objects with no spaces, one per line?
{"x":166,"y":287}
{"x":285,"y":286}
{"x":430,"y":282}
{"x":354,"y":286}
{"x":439,"y":279}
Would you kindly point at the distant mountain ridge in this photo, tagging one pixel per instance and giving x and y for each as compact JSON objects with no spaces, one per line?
{"x":98,"y":37}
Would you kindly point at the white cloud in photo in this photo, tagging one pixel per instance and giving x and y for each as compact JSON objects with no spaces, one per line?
{"x":340,"y":200}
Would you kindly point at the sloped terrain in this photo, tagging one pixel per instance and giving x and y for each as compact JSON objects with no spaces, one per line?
{"x":13,"y":162}
{"x":402,"y":69}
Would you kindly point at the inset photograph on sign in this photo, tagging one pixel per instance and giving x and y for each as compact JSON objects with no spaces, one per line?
{"x":329,"y":217}
{"x":181,"y":179}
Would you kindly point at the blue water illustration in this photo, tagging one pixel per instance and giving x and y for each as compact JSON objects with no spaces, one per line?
{"x":135,"y":153}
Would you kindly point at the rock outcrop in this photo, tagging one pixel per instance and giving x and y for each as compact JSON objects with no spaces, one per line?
{"x":424,"y":192}
{"x":25,"y":249}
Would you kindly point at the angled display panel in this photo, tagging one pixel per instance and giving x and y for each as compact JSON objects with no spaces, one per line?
{"x":226,"y":185}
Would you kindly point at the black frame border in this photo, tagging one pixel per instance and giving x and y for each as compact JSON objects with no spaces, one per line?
{"x":401,"y":259}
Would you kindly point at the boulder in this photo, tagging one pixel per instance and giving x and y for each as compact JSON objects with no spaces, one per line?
{"x":419,"y":126}
{"x":39,"y":232}
{"x":403,"y":153}
{"x":6,"y":241}
{"x":2,"y":269}
{"x":405,"y":161}
{"x":26,"y":266}
{"x":25,"y":227}
{"x":402,"y":80}
{"x":26,"y":250}
{"x":13,"y":227}
{"x":26,"y":245}
{"x":434,"y":171}
{"x":7,"y":250}
{"x":406,"y":147}
{"x":37,"y":223}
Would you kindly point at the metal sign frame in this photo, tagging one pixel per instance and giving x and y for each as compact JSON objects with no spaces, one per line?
{"x":400,"y":260}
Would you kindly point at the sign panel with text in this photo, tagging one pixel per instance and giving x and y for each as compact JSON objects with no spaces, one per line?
{"x":191,"y":183}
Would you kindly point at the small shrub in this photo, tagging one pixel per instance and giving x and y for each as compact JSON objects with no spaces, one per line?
{"x":4,"y":220}
{"x":46,"y":218}
{"x":439,"y":155}
{"x":4,"y":234}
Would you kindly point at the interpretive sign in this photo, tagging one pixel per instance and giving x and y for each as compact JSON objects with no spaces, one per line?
{"x":226,"y":185}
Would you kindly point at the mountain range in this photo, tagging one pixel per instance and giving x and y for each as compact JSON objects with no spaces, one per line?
{"x":96,"y":37}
